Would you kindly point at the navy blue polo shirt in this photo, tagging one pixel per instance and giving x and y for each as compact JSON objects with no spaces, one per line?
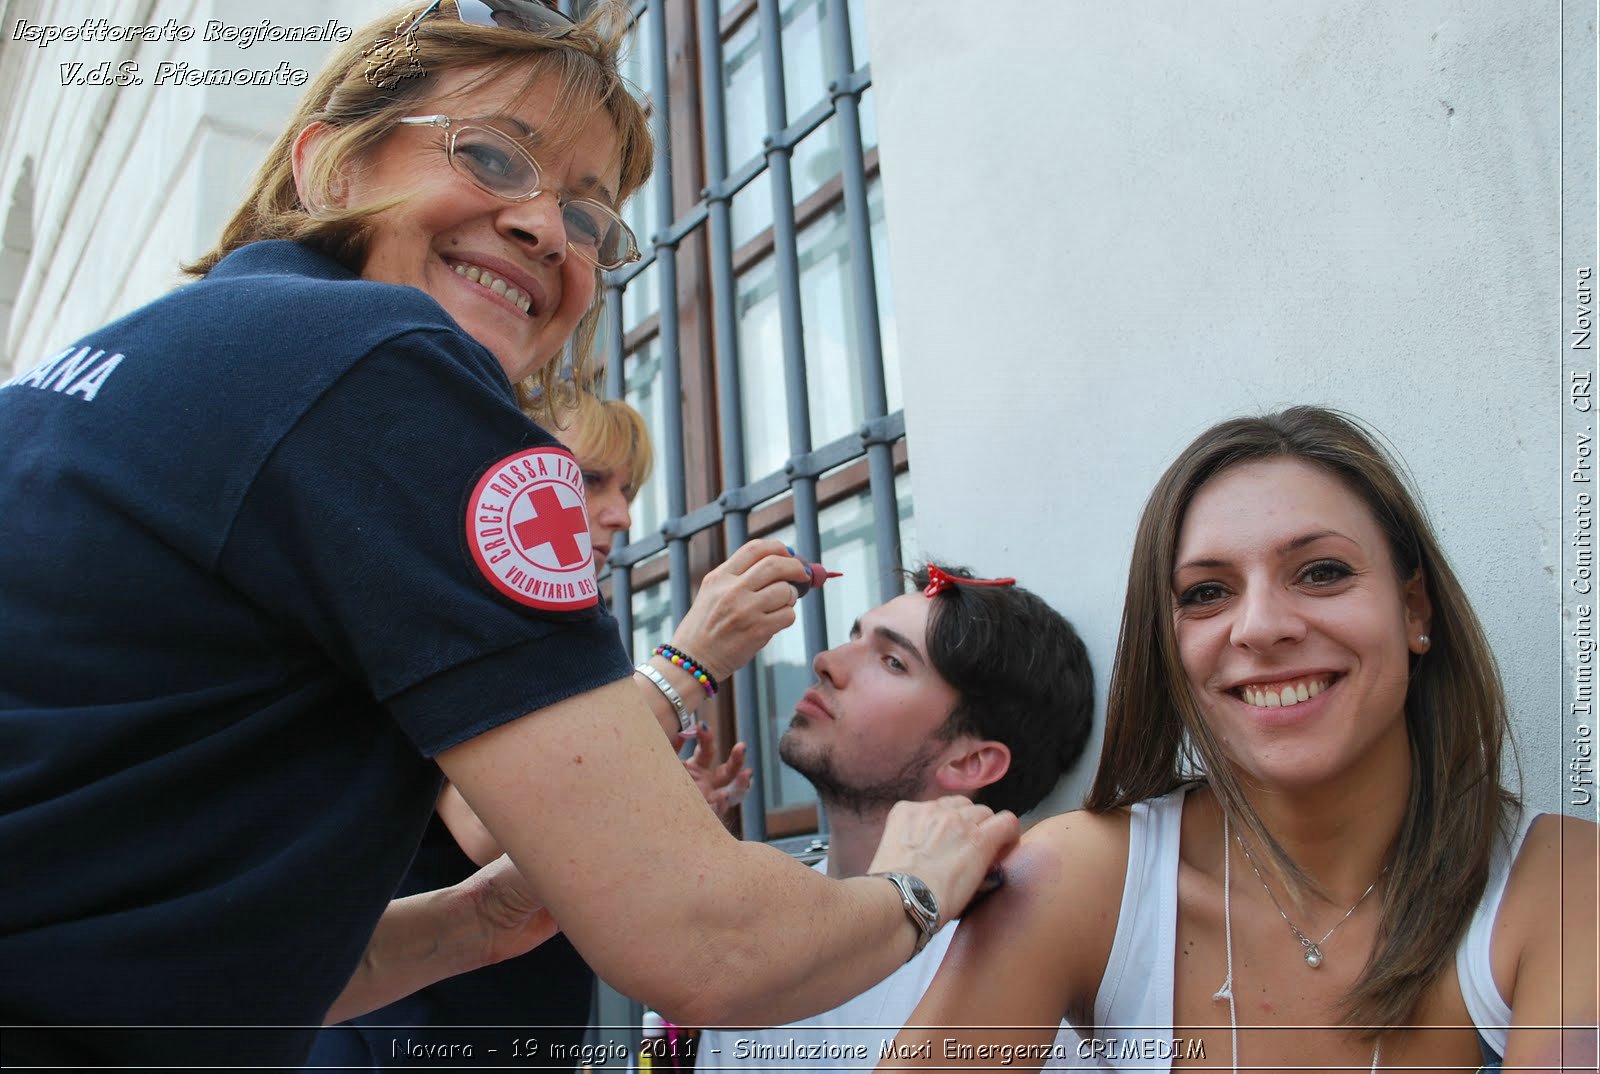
{"x":241,"y":607}
{"x":543,"y":995}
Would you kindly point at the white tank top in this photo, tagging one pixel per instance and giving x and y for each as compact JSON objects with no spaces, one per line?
{"x":1489,"y":1011}
{"x":1133,"y":1009}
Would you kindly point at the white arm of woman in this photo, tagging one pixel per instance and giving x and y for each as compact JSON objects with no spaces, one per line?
{"x":613,"y":838}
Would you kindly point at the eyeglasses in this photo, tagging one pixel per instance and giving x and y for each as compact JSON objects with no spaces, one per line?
{"x":531,"y":15}
{"x":500,"y":164}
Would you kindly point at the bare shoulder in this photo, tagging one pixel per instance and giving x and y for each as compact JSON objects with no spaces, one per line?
{"x":1558,"y":854}
{"x":1062,"y":891}
{"x":1558,"y":839}
{"x":1080,"y":852}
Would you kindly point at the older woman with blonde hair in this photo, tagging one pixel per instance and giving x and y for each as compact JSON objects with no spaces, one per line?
{"x":282,"y":547}
{"x":1297,"y":852}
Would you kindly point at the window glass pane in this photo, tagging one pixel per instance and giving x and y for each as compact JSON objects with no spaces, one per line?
{"x":869,"y":119}
{"x":638,"y":53}
{"x":743,"y":90}
{"x":746,"y":109}
{"x":782,"y":674}
{"x":860,"y":47}
{"x":832,"y":378}
{"x":642,"y":390}
{"x":805,"y":59}
{"x":652,"y":618}
{"x":606,"y":345}
{"x":910,"y":549}
{"x":641,"y":299}
{"x":640,"y":214}
{"x":890,"y":337}
{"x":815,"y":161}
{"x":849,"y":545}
{"x":761,"y":384}
{"x":833,"y":361}
{"x":752,"y":210}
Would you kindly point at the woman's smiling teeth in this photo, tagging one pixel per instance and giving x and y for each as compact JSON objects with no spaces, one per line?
{"x":485,"y":278}
{"x":1282,"y":694}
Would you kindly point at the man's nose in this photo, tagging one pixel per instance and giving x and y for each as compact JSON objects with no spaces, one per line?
{"x":829,"y":665}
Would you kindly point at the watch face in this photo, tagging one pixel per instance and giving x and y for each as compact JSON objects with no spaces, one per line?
{"x":924,"y":896}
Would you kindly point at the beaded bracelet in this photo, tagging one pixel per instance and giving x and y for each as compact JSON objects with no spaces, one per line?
{"x":691,"y":665}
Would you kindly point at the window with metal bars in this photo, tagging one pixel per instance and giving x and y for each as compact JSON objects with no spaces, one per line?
{"x":756,"y":337}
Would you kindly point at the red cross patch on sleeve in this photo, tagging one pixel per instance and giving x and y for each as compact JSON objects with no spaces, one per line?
{"x":529,"y":532}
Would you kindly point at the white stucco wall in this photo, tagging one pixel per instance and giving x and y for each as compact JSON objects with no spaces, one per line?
{"x":1113,"y":225}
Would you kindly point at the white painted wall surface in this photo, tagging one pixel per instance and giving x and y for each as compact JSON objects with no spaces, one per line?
{"x":1112,"y":225}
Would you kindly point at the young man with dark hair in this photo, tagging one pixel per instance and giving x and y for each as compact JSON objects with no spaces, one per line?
{"x":966,"y":686}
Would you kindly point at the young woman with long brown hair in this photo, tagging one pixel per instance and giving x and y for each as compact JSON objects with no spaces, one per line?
{"x":1297,"y":851}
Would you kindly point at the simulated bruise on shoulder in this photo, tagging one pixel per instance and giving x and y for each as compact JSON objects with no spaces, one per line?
{"x":528,"y":531}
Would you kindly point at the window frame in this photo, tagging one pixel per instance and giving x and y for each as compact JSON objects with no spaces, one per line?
{"x":705,"y":518}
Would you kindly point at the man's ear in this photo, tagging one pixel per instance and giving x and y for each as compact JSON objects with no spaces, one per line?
{"x":1419,"y":612}
{"x":306,"y":144}
{"x":972,"y":765}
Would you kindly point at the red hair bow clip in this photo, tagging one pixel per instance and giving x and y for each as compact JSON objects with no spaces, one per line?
{"x":939,"y":581}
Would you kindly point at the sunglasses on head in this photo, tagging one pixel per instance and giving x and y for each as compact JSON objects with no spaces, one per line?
{"x":530,"y":15}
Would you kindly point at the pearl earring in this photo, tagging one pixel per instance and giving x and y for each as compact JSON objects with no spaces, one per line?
{"x":1422,"y":640}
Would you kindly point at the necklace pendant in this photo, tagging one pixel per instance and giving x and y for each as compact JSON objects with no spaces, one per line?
{"x":1313,"y":956}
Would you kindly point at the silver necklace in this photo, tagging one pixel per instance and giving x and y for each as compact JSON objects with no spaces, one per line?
{"x":1313,"y":948}
{"x":1225,"y":993}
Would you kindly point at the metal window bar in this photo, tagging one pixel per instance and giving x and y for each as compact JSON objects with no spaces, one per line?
{"x":621,"y":569}
{"x":666,"y":248}
{"x":869,"y":332}
{"x":730,"y":407}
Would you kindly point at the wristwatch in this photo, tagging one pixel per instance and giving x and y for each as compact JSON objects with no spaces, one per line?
{"x":922,"y":907}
